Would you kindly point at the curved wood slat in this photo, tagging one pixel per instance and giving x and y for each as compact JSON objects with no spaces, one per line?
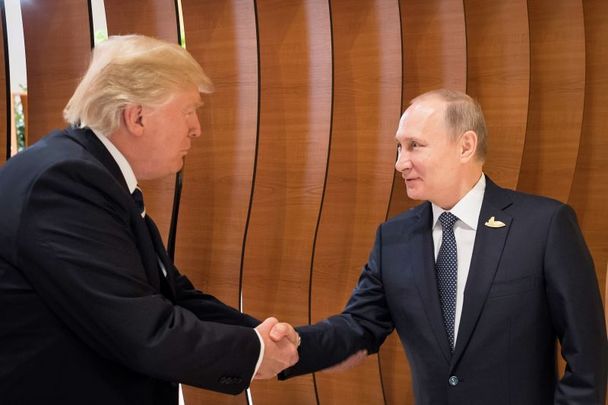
{"x":367,"y":103}
{"x":498,"y":72}
{"x":58,"y":45}
{"x":219,"y":171}
{"x":434,"y":56}
{"x":295,"y":118}
{"x":5,"y":104}
{"x":589,"y":191}
{"x":557,"y":90}
{"x":155,"y":18}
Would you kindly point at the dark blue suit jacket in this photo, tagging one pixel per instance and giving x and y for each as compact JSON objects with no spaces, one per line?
{"x":85,"y":314}
{"x":530,"y":284}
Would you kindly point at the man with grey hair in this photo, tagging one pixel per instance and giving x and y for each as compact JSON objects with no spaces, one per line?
{"x":92,"y":310}
{"x":479,"y":281}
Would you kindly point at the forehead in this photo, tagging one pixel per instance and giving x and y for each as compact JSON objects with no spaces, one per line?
{"x":184,"y":98}
{"x":421,"y":118}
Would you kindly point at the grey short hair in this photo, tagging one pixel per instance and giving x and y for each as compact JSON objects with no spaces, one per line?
{"x":462,"y":113}
{"x":127,"y":70}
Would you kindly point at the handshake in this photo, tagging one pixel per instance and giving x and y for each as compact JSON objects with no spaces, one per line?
{"x":281,"y":342}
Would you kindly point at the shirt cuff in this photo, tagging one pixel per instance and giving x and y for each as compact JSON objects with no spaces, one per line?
{"x":259,"y":363}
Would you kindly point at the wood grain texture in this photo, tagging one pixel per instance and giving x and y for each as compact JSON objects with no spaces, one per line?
{"x":295,"y":118}
{"x":589,"y":191}
{"x":57,"y":39}
{"x":498,"y":76}
{"x":557,"y":92}
{"x":434,"y":56}
{"x":221,"y":35}
{"x":154,"y":18}
{"x":367,"y":103}
{"x":5,"y":91}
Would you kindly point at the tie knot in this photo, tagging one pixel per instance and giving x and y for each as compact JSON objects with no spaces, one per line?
{"x":138,"y":197}
{"x":447,"y":220}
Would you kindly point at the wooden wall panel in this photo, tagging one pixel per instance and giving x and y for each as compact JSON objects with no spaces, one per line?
{"x":367,"y":103}
{"x":434,"y":56}
{"x":557,"y":90}
{"x":295,"y":118}
{"x":58,"y":45}
{"x":498,"y":72}
{"x":589,"y":192}
{"x":155,"y":18}
{"x":221,"y":35}
{"x":5,"y":91}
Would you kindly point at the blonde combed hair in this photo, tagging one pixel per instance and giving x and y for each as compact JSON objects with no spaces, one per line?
{"x":462,"y":113}
{"x":127,"y":70}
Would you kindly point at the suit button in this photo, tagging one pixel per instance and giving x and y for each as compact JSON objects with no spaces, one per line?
{"x":453,"y":381}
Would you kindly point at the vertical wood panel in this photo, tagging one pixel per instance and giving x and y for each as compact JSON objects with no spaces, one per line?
{"x":57,"y":40}
{"x":557,"y":88}
{"x":5,"y":131}
{"x":221,"y":35}
{"x":367,"y":103}
{"x":498,"y":75}
{"x":154,"y":18}
{"x":434,"y":56}
{"x":295,"y":118}
{"x":589,"y":192}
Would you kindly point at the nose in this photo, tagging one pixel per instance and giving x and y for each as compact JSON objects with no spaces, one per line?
{"x":195,"y":127}
{"x":403,"y":162}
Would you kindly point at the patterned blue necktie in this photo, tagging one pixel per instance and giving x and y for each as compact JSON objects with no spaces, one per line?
{"x":447,"y":273}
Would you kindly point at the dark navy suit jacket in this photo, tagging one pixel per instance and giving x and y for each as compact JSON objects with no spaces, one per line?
{"x":530,"y":284}
{"x":85,"y":314}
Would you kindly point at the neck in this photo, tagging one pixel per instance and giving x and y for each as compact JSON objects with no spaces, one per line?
{"x":461,"y":189}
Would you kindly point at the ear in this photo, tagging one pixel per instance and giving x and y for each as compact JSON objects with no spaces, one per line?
{"x":468,"y":146}
{"x":133,"y":118}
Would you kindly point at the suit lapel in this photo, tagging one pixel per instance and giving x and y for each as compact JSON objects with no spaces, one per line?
{"x":487,"y":251}
{"x":420,"y":247}
{"x":144,"y":233}
{"x":167,"y":283}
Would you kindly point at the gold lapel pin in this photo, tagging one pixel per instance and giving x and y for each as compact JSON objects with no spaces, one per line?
{"x":492,"y":223}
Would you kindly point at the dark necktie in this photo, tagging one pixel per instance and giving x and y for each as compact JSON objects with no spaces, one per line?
{"x":138,"y":197}
{"x":139,"y":201}
{"x":447,"y":273}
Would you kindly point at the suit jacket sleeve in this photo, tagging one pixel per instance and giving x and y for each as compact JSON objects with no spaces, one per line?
{"x":576,"y":311}
{"x":77,"y":248}
{"x":364,"y":324}
{"x":206,"y":307}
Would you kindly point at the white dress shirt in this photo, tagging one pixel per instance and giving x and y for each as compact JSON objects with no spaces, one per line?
{"x":131,"y":180}
{"x":467,"y":210}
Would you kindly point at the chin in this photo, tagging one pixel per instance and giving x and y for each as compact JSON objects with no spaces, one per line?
{"x":414,"y":194}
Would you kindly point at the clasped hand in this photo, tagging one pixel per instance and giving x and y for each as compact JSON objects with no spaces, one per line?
{"x":281,"y":343}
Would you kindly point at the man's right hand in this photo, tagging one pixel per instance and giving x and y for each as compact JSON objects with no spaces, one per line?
{"x":277,"y":355}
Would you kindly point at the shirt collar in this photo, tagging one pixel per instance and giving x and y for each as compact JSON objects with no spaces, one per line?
{"x":121,"y":161}
{"x":468,"y":208}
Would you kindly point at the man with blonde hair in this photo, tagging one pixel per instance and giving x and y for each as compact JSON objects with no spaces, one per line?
{"x":92,"y":310}
{"x":479,"y":281}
